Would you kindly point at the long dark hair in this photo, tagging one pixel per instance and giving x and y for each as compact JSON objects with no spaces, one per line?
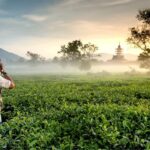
{"x":1,"y":65}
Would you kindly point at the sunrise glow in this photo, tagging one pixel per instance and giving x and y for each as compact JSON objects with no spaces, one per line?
{"x":43,"y":26}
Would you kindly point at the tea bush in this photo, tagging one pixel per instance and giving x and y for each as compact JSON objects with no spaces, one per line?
{"x":76,"y":112}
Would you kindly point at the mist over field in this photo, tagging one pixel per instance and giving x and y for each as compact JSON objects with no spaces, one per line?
{"x":27,"y":69}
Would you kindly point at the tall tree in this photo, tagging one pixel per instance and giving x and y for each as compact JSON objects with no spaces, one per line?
{"x":34,"y":57}
{"x":71,"y":52}
{"x":78,"y":53}
{"x":140,"y":37}
{"x":88,"y":50}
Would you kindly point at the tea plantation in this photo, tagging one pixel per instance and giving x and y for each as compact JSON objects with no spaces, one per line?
{"x":88,"y":112}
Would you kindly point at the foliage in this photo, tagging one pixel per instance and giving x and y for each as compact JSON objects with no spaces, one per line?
{"x":140,"y":37}
{"x":76,"y":112}
{"x":34,"y":57}
{"x":88,"y":50}
{"x":72,"y":51}
{"x":78,"y":53}
{"x":85,"y":65}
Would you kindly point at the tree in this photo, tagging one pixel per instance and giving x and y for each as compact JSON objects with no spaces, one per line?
{"x":76,"y":50}
{"x":71,"y":52}
{"x":140,"y":37}
{"x":85,"y":65}
{"x":78,"y":53}
{"x":55,"y":59}
{"x":88,"y":50}
{"x":34,"y":57}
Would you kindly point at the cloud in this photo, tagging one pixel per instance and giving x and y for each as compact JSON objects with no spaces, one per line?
{"x":35,"y":18}
{"x":71,"y":2}
{"x":83,"y":29}
{"x":4,"y":33}
{"x":11,"y":21}
{"x":3,"y":12}
{"x":117,"y":2}
{"x":87,"y":4}
{"x":79,"y":9}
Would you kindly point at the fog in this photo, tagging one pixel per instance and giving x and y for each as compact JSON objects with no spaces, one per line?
{"x":29,"y":69}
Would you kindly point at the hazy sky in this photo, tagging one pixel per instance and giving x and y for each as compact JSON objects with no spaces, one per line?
{"x":42,"y":26}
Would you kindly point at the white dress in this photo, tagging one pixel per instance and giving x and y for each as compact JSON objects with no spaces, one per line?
{"x":4,"y":83}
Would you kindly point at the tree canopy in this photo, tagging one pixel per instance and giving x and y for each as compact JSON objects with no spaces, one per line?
{"x":140,"y":37}
{"x":34,"y":57}
{"x":78,"y":53}
{"x":76,"y":50}
{"x":72,"y":51}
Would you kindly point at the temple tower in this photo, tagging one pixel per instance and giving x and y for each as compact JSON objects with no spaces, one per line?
{"x":119,"y":54}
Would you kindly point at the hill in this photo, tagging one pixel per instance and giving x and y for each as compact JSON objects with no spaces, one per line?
{"x":9,"y":57}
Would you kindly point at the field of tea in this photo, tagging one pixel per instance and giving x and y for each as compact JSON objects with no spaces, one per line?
{"x":76,"y":112}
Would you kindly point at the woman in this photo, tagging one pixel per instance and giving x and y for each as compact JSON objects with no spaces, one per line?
{"x":5,"y":82}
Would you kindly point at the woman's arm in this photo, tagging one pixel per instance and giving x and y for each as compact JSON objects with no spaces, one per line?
{"x":6,"y":76}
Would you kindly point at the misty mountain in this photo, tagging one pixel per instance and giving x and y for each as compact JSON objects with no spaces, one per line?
{"x":107,"y":56}
{"x":9,"y":57}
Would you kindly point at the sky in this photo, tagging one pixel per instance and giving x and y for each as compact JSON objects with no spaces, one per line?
{"x":42,"y":26}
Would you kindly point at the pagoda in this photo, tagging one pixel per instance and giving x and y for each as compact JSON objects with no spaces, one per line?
{"x":119,"y":54}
